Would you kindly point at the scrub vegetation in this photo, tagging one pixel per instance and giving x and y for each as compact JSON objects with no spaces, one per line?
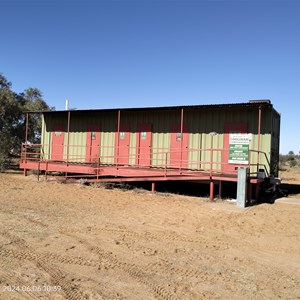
{"x":13,"y":119}
{"x":290,"y":160}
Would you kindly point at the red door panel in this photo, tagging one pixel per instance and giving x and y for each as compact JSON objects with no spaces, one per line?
{"x":143,"y":144}
{"x":231,"y":128}
{"x":93,"y":143}
{"x":122,"y":153}
{"x":178,"y":155}
{"x":57,"y":142}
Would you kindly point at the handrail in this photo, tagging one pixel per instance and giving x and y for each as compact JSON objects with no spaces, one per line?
{"x":212,"y":158}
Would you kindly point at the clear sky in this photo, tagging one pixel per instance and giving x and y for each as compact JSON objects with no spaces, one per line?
{"x":101,"y":54}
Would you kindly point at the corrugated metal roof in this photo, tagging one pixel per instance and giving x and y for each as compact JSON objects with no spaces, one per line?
{"x":251,"y":103}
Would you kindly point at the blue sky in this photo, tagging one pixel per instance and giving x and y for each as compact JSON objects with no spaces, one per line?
{"x":101,"y":54}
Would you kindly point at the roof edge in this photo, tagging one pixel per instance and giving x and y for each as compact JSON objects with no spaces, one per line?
{"x":251,"y":103}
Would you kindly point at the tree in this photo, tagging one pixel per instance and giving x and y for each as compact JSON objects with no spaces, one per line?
{"x":32,"y":101}
{"x":4,"y":83}
{"x":10,"y":113}
{"x":12,"y":119}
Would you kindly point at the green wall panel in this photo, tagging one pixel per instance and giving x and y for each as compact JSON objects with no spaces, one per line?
{"x":200,"y":123}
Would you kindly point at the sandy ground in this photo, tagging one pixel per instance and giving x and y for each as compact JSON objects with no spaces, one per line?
{"x":291,"y":175}
{"x":62,"y":241}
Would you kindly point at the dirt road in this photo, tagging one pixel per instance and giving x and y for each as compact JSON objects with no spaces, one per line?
{"x":62,"y":241}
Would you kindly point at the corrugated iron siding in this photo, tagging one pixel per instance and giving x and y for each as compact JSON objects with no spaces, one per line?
{"x":44,"y":149}
{"x":199,"y":122}
{"x":161,"y":126}
{"x":207,"y":121}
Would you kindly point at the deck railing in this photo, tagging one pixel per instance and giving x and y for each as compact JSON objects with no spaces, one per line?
{"x":212,"y":160}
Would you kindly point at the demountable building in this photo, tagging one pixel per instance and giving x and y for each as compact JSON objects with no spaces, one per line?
{"x":199,"y":142}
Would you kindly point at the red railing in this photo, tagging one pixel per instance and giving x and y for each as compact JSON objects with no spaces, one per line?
{"x":210,"y":159}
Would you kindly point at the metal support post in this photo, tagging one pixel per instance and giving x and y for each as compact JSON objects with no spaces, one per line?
{"x":257,"y":191}
{"x":220,"y":188}
{"x":46,"y":171}
{"x":26,"y":133}
{"x":26,"y":142}
{"x":153,"y":187}
{"x":258,"y":136}
{"x":211,"y":191}
{"x":181,"y":139}
{"x":212,"y":134}
{"x":241,"y":196}
{"x":250,"y":190}
{"x":68,"y":140}
{"x":118,"y":136}
{"x":38,"y":174}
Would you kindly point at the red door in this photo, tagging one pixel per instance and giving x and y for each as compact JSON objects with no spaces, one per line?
{"x":123,"y":140}
{"x":143,"y":144}
{"x":93,"y":143}
{"x":231,"y":128}
{"x":57,"y":142}
{"x":178,"y":155}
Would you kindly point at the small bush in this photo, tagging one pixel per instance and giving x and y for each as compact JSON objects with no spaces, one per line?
{"x":4,"y":162}
{"x":288,"y":161}
{"x":292,"y":163}
{"x":82,"y":181}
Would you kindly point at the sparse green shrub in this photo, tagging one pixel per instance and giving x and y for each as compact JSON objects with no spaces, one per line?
{"x":293,"y":162}
{"x":289,"y":160}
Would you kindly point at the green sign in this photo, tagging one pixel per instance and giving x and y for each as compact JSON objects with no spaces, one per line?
{"x":238,"y":148}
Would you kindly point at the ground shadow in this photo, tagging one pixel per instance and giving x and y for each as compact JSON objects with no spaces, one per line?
{"x":200,"y":189}
{"x":270,"y":195}
{"x":190,"y":188}
{"x":292,"y":189}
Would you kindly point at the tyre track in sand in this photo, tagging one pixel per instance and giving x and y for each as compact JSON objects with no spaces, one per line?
{"x":163,"y":236}
{"x":159,"y":236}
{"x":165,"y":267}
{"x":111,"y":262}
{"x":47,"y":257}
{"x":58,"y":278}
{"x":25,"y":216}
{"x":186,"y":273}
{"x":6,"y":280}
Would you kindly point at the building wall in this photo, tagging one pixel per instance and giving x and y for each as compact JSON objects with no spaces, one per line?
{"x":199,"y":123}
{"x":275,"y":140}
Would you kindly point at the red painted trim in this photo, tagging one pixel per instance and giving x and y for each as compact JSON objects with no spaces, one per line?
{"x":68,"y":140}
{"x":130,"y":173}
{"x":181,"y":142}
{"x":123,"y":145}
{"x":117,"y":144}
{"x":26,"y":133}
{"x":57,"y":148}
{"x":143,"y":147}
{"x":179,"y":149}
{"x":93,"y":146}
{"x":26,"y":140}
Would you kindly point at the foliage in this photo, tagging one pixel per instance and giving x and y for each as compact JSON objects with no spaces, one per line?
{"x":13,"y":119}
{"x":290,"y":160}
{"x":32,"y":101}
